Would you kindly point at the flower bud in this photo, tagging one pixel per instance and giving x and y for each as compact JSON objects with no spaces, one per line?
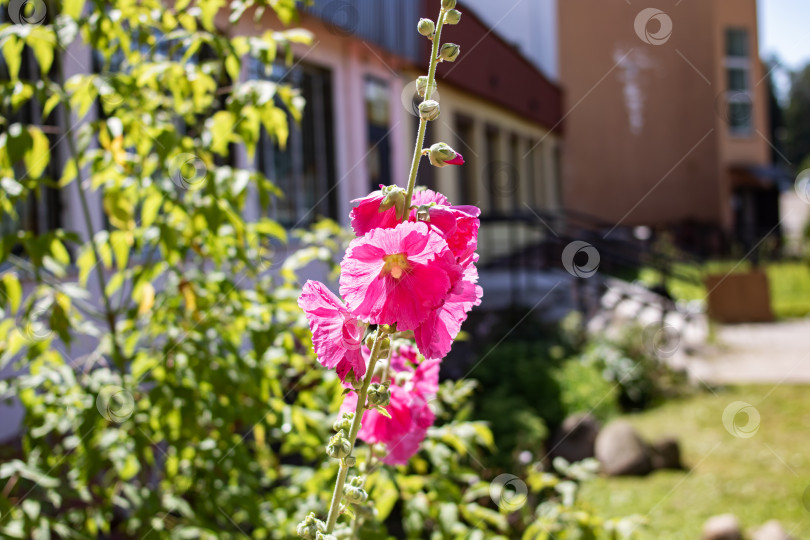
{"x":453,"y":17}
{"x":429,"y":110}
{"x":339,"y":446}
{"x":323,"y":536}
{"x":357,"y":481}
{"x":385,"y":347}
{"x":311,"y":527}
{"x":344,"y":422}
{"x":449,"y":52}
{"x":448,"y":4}
{"x":421,"y":86}
{"x":441,"y":154}
{"x":355,"y":494}
{"x":378,"y":394}
{"x":394,"y":197}
{"x":350,"y":461}
{"x":426,"y":27}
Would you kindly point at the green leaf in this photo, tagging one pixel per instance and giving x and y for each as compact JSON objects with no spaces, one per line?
{"x":151,"y":207}
{"x":12,"y":52}
{"x":39,"y":155}
{"x":13,"y":290}
{"x":85,"y":263}
{"x":382,"y":411}
{"x":42,"y":41}
{"x":73,"y":8}
{"x":221,"y":128}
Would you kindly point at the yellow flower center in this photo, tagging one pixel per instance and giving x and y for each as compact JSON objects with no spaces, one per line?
{"x":396,"y":265}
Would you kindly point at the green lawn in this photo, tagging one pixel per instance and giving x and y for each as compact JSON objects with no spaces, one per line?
{"x":757,"y":479}
{"x":789,"y":282}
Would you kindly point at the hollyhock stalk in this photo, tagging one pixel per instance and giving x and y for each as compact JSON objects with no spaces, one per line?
{"x":337,"y":494}
{"x":420,"y":139}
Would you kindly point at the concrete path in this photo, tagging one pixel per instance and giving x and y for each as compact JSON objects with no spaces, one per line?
{"x":755,"y":353}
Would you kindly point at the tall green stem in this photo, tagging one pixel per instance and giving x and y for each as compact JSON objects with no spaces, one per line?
{"x":420,"y":138}
{"x":337,"y":494}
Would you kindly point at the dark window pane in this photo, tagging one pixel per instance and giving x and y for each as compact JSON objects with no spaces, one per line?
{"x":738,"y":79}
{"x":739,"y":115}
{"x":737,"y":42}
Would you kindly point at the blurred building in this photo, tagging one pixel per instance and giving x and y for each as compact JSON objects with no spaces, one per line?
{"x":666,"y":118}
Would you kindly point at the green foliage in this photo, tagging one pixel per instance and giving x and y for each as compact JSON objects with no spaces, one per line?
{"x":797,"y":118}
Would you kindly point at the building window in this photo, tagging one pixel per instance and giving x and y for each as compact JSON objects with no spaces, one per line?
{"x":466,"y":135}
{"x":739,"y":98}
{"x":304,"y":171}
{"x":378,"y":119}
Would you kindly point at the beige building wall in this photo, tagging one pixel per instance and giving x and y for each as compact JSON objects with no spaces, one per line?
{"x":646,"y":138}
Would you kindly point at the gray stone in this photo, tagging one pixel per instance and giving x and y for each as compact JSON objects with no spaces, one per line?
{"x":574,"y":440}
{"x":722,"y":527}
{"x":666,"y":454}
{"x":772,"y":530}
{"x":621,"y":451}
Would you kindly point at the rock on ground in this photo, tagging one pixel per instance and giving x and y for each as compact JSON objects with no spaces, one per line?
{"x":722,"y":527}
{"x":574,"y":440}
{"x":772,"y":530}
{"x":666,"y":454}
{"x":621,"y":451}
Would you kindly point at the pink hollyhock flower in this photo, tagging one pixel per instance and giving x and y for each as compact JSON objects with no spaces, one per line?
{"x":435,"y":335}
{"x":398,"y":275}
{"x":458,"y":160}
{"x":459,"y":226}
{"x":410,"y":413}
{"x":337,"y":335}
{"x":367,"y":215}
{"x":427,"y":196}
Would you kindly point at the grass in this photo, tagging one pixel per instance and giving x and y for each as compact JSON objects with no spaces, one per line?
{"x":789,"y":283}
{"x":757,"y":479}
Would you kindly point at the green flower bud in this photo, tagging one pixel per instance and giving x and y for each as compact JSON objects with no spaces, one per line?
{"x":421,"y":86}
{"x":351,"y":461}
{"x":385,"y":347}
{"x":355,"y":494}
{"x":449,"y":52}
{"x":429,"y":110}
{"x":394,"y":198}
{"x":344,"y":422}
{"x":441,"y":155}
{"x":426,"y":27}
{"x":311,"y":527}
{"x":379,"y":395}
{"x":339,"y":446}
{"x":358,"y":481}
{"x":448,"y":4}
{"x":453,"y":17}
